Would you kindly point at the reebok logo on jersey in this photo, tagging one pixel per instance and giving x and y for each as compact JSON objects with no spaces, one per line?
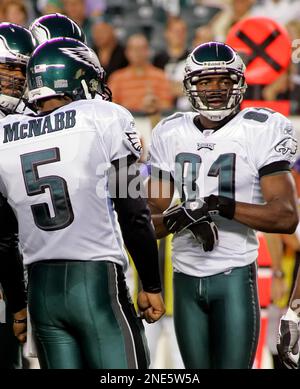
{"x":39,"y":126}
{"x":209,"y":146}
{"x":287,"y":146}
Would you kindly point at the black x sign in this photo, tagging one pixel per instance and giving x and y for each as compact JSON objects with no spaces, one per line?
{"x":259,"y":50}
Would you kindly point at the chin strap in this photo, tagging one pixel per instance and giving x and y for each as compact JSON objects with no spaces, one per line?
{"x":217,"y":115}
{"x":87,"y":94}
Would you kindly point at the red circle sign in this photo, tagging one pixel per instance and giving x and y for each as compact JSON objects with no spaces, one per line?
{"x":265,"y":47}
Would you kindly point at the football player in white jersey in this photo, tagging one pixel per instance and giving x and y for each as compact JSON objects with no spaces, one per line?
{"x":58,"y":171}
{"x":16,"y":45}
{"x":234,"y":167}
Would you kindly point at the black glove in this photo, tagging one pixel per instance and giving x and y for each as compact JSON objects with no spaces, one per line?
{"x":205,"y":232}
{"x":181,"y":216}
{"x":287,"y":343}
{"x":220,"y":205}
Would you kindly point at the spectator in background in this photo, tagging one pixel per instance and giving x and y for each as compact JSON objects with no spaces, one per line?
{"x":110,"y":52}
{"x":94,"y":8}
{"x":235,"y":11}
{"x":172,"y":59}
{"x":293,"y":28}
{"x":140,"y":87}
{"x":282,"y":11}
{"x":202,"y":34}
{"x":287,"y":86}
{"x":14,"y":11}
{"x":75,"y":9}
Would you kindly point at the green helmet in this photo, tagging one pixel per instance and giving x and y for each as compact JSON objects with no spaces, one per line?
{"x":65,"y":67}
{"x":55,"y":26}
{"x":16,"y":45}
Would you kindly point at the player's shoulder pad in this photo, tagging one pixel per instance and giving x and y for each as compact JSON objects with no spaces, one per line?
{"x":175,"y":115}
{"x":262,"y":115}
{"x":166,"y":126}
{"x":131,"y":134}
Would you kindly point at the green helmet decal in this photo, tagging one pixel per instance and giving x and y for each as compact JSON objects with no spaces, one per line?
{"x":65,"y":67}
{"x":55,"y":26}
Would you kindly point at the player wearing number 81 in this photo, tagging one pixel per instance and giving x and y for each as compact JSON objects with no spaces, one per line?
{"x":56,"y":170}
{"x":231,"y":169}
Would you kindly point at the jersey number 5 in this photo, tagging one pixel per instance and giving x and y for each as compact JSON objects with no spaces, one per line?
{"x":35,"y":185}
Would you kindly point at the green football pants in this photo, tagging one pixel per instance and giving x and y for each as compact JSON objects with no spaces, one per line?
{"x":83,"y":316}
{"x":217,"y":319}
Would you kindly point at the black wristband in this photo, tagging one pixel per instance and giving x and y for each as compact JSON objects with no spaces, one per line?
{"x":19,"y":321}
{"x":153,"y":290}
{"x":222,"y":205}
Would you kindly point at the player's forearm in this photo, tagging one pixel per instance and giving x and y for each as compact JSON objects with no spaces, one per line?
{"x":138,"y":234}
{"x":139,"y":238}
{"x":12,"y":277}
{"x":275,"y":216}
{"x":160,"y":229}
{"x":157,"y":206}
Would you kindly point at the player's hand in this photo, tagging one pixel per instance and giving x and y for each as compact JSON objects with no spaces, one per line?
{"x":287,"y":343}
{"x":151,"y":306}
{"x":20,"y":325}
{"x":206,"y":233}
{"x":220,"y":205}
{"x":182,"y":216}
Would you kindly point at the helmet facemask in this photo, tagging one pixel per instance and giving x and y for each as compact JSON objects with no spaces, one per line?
{"x":209,"y":60}
{"x":12,"y":87}
{"x":231,"y":98}
{"x":16,"y":46}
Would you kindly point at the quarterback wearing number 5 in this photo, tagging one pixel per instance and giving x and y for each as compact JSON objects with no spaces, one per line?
{"x":57,"y":170}
{"x":231,"y":170}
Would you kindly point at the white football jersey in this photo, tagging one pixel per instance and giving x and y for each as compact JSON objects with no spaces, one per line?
{"x":226,"y":162}
{"x":54,"y":173}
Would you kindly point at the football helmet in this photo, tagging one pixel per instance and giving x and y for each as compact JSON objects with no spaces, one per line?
{"x":55,"y":26}
{"x":65,"y":67}
{"x":16,"y":45}
{"x":208,"y":59}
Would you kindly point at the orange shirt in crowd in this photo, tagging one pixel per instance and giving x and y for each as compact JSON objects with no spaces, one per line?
{"x":129,"y":88}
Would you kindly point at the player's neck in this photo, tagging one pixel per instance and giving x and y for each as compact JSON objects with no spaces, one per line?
{"x":54,"y":103}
